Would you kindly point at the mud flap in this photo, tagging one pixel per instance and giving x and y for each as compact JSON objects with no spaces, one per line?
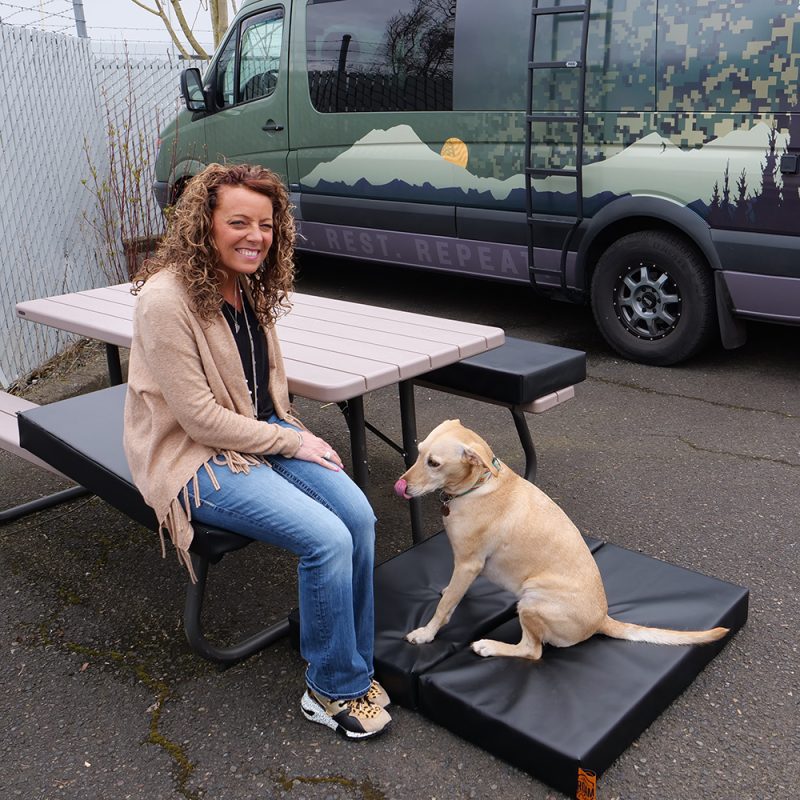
{"x":732,"y":330}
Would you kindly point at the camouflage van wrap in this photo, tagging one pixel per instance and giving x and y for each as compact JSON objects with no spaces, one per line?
{"x":695,"y":102}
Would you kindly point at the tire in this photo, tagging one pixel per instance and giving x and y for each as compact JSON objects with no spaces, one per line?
{"x":653,"y":298}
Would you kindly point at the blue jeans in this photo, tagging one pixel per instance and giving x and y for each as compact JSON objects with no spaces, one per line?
{"x":325,"y":519}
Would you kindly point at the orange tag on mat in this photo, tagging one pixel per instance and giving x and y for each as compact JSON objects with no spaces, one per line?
{"x":587,"y":785}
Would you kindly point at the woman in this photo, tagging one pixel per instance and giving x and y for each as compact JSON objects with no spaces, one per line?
{"x":209,"y":436}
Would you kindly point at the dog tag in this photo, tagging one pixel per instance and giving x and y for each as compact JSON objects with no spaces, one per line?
{"x":445,"y":509}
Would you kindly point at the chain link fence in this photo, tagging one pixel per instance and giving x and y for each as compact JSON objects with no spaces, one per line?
{"x":65,"y":115}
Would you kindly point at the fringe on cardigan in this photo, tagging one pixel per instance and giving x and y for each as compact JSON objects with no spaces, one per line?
{"x":178,"y":520}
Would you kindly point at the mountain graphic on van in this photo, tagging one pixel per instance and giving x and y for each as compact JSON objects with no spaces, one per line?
{"x":396,"y":164}
{"x":378,"y":157}
{"x":654,"y":165}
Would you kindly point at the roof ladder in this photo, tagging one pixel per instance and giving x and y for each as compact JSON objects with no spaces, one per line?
{"x":575,"y":116}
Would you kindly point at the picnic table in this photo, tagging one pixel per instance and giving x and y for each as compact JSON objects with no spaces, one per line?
{"x":334,"y":351}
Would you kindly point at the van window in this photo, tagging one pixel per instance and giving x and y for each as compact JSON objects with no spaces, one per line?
{"x":620,"y":58}
{"x":499,"y":33}
{"x":380,"y":55}
{"x":224,"y":81}
{"x":259,"y":61}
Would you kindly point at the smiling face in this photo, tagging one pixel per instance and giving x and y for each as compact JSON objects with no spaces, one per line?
{"x":241,"y":227}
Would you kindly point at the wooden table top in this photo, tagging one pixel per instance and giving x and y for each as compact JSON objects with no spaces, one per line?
{"x":333,"y":350}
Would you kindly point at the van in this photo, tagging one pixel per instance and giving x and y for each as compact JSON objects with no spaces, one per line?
{"x":642,"y":156}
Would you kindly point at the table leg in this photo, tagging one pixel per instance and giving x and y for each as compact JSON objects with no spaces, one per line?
{"x":358,"y":442}
{"x":114,"y":366}
{"x":408,"y":419}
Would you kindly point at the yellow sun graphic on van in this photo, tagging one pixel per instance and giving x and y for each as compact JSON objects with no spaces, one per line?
{"x":455,"y":151}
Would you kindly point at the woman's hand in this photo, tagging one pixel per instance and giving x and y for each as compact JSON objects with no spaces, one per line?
{"x":319,"y":451}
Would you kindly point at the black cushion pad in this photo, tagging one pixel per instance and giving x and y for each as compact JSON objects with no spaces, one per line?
{"x":407,"y":590}
{"x":515,"y":373}
{"x":82,"y":437}
{"x":582,"y":706}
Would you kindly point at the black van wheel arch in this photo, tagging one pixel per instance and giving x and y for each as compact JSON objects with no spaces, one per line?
{"x":653,"y":298}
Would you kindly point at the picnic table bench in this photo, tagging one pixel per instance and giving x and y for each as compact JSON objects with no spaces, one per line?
{"x":10,"y":406}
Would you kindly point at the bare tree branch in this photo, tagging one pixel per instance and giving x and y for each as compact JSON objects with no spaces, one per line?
{"x":187,"y":31}
{"x":159,"y":12}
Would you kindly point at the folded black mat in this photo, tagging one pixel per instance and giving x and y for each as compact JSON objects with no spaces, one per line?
{"x":580,"y":707}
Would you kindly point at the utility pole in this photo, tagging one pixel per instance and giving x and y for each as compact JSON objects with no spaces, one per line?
{"x":80,"y":20}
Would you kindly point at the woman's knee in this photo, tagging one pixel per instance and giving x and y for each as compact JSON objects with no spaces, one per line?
{"x":332,"y":547}
{"x":361,"y":518}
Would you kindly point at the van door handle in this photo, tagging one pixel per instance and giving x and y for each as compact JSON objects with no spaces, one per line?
{"x":271,"y":126}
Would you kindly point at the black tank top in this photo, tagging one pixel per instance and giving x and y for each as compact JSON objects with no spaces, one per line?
{"x":237,"y":319}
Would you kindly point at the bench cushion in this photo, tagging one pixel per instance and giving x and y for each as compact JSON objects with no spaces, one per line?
{"x":515,"y":373}
{"x":582,"y":706}
{"x":82,"y":438}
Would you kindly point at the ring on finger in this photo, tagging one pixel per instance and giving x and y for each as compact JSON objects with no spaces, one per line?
{"x":327,"y":455}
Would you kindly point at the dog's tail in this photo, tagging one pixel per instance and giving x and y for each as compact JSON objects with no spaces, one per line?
{"x":639,"y":633}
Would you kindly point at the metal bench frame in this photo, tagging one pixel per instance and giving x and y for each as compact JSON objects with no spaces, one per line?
{"x":9,"y":440}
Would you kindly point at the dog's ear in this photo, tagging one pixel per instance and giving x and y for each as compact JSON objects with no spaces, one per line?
{"x":479,"y":454}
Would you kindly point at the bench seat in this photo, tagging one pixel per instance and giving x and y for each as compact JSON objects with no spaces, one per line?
{"x":82,"y":437}
{"x":515,"y":374}
{"x":524,"y":376}
{"x":10,"y":405}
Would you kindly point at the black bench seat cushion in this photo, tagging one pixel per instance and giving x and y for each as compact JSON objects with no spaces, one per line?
{"x":517,"y":372}
{"x":582,"y":706}
{"x":82,"y":437}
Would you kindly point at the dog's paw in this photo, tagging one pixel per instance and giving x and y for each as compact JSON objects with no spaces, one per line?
{"x":483,"y":647}
{"x":420,"y":636}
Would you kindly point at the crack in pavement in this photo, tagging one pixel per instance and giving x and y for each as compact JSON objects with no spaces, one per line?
{"x":720,"y":404}
{"x":367,"y":789}
{"x":746,"y":456}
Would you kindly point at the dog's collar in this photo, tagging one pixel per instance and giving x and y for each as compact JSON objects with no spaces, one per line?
{"x":446,"y":498}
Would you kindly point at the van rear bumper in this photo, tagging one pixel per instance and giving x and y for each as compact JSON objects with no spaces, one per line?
{"x":774,"y":298}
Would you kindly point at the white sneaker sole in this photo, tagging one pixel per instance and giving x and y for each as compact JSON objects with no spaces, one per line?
{"x":314,"y":712}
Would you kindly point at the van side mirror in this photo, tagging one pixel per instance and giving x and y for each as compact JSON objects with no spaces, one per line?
{"x":192,"y":90}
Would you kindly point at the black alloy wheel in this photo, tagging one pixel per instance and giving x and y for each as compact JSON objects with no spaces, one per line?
{"x":653,"y":298}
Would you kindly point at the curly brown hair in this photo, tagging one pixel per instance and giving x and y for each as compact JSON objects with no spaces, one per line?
{"x":188,"y":248}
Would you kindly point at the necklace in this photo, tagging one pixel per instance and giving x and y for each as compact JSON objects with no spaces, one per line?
{"x":252,"y":353}
{"x":236,"y":327}
{"x":234,"y":316}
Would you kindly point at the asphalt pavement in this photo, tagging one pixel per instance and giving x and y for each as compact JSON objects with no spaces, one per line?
{"x":697,"y":465}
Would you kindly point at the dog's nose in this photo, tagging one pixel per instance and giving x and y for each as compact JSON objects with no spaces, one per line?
{"x":400,"y":489}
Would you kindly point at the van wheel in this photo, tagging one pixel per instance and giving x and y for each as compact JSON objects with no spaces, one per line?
{"x":653,"y":298}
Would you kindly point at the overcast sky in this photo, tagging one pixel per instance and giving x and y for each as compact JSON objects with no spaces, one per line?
{"x":106,"y":19}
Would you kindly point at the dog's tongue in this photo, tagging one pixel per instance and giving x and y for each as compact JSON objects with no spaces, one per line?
{"x":400,"y":489}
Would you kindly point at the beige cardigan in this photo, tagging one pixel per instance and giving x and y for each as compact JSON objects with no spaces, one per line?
{"x":188,"y":402}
